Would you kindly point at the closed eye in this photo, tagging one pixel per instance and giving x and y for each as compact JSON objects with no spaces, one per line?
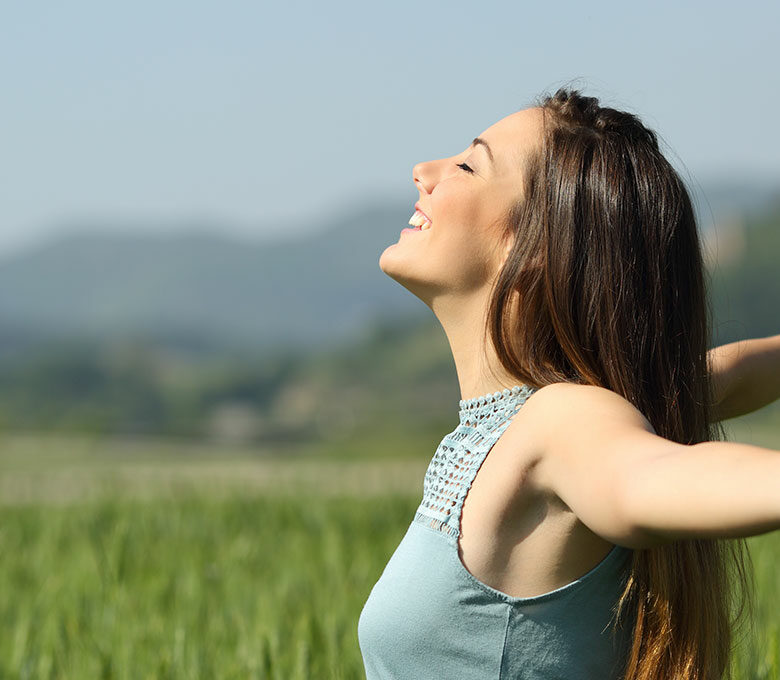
{"x":465,"y":167}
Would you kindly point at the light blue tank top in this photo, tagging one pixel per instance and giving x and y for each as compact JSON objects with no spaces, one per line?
{"x":428,"y":618}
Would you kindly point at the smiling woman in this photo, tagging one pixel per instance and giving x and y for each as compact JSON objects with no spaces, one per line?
{"x":579,"y":522}
{"x":466,"y":199}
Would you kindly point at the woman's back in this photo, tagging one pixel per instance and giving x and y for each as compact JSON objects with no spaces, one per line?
{"x":435,"y":613}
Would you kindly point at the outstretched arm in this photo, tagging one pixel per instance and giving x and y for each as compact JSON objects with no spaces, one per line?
{"x":640,"y":490}
{"x":712,"y":489}
{"x":745,"y":375}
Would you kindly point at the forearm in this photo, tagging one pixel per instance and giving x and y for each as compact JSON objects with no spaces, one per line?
{"x":709,"y":490}
{"x":746,"y":375}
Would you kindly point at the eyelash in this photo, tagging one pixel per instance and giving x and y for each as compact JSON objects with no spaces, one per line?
{"x":465,"y":167}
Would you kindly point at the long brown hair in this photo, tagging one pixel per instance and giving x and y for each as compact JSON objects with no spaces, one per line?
{"x":605,"y":285}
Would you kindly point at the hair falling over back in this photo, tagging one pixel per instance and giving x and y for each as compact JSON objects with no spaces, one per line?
{"x":605,"y":285}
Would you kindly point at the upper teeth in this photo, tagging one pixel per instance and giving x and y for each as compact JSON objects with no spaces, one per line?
{"x":420,"y":220}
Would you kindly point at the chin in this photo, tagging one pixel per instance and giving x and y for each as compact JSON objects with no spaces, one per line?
{"x":394,"y":263}
{"x":398,"y":269}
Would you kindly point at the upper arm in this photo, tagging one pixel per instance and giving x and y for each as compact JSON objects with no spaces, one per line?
{"x":594,"y":443}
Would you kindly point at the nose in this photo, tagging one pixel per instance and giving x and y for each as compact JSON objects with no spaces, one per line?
{"x":424,"y":176}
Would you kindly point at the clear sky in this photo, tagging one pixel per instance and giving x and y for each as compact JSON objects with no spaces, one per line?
{"x":265,"y":118}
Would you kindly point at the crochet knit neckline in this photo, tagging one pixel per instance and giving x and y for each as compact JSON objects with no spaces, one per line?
{"x":503,"y":401}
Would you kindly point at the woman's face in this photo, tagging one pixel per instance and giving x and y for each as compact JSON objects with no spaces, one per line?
{"x":466,"y":198}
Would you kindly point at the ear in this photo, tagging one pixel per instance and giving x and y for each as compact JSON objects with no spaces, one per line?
{"x":509,"y":243}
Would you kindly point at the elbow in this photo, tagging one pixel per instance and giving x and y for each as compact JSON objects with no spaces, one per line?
{"x":726,"y":408}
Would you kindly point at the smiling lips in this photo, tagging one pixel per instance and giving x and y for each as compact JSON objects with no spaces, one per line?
{"x":420,"y":221}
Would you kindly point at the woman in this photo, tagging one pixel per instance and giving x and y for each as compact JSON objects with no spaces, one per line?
{"x":559,"y":252}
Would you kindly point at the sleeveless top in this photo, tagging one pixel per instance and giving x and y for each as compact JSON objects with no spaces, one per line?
{"x":429,"y":618}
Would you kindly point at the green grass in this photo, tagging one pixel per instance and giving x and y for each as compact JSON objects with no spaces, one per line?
{"x":192,"y":587}
{"x":759,"y":658}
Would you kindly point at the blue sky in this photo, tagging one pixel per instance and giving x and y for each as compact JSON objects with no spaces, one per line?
{"x":267,"y":118}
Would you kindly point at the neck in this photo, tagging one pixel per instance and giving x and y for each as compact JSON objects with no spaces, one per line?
{"x":464,"y":321}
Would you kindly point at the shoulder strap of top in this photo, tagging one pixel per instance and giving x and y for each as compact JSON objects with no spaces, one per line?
{"x":460,"y":454}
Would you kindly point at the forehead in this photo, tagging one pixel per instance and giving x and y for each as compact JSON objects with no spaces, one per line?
{"x":512,"y":137}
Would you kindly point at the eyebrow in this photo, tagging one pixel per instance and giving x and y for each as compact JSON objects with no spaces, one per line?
{"x":479,"y":141}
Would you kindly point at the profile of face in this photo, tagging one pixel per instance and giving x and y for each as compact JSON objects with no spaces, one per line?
{"x":466,"y":199}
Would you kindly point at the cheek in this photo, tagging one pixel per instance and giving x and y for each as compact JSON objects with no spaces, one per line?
{"x":465,"y":248}
{"x":464,"y":227}
{"x":455,"y":207}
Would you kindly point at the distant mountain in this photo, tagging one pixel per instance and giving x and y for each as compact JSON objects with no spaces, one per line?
{"x":210,"y":290}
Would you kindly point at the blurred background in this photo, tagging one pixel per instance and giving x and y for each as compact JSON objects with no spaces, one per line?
{"x":204,"y":375}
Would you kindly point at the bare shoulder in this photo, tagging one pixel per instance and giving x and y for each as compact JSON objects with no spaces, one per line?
{"x":591,"y":443}
{"x":560,"y":407}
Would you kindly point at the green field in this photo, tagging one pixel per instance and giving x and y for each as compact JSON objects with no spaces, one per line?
{"x":192,"y":587}
{"x":154,"y":560}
